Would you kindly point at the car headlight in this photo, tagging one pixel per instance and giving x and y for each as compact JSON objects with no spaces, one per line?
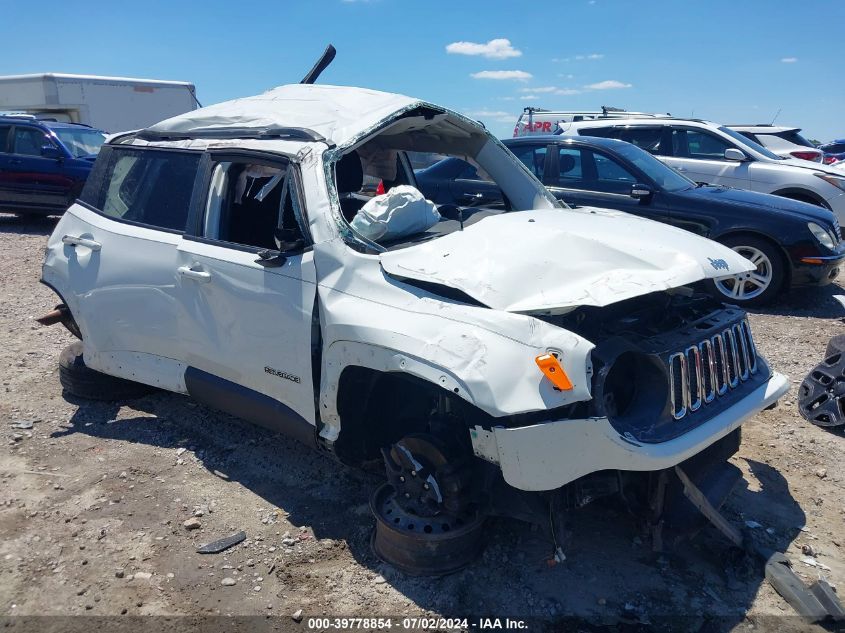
{"x":836,"y":181}
{"x":824,"y":238}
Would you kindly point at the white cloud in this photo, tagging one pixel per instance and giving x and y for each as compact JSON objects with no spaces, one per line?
{"x":496,"y":115}
{"x":519,"y":75}
{"x":539,"y":89}
{"x":499,"y":48}
{"x":529,"y":97}
{"x":579,"y":58}
{"x":789,"y":60}
{"x":566,"y":76}
{"x":567,"y":92}
{"x":609,"y":84}
{"x":507,"y":98}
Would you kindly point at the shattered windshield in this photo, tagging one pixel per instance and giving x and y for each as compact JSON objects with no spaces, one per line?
{"x":425,"y":177}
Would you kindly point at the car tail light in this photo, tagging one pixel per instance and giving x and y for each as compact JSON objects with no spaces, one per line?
{"x":814,"y":156}
{"x":829,"y":160}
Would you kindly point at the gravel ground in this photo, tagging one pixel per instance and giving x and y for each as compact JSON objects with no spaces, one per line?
{"x":94,"y":497}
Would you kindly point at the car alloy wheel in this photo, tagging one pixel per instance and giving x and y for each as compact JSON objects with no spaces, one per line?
{"x":750,"y":285}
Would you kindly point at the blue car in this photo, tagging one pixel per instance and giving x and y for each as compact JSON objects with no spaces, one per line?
{"x":44,"y":164}
{"x":833,"y":151}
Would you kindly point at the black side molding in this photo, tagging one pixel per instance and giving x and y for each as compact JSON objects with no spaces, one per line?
{"x":249,"y":405}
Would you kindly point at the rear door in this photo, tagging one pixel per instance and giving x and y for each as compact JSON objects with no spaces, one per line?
{"x":114,"y":257}
{"x":246,"y":322}
{"x":36,"y":181}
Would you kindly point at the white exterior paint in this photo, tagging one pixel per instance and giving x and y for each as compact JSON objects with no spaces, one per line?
{"x":757,"y":173}
{"x":532,"y":458}
{"x":112,"y":104}
{"x":151,"y":303}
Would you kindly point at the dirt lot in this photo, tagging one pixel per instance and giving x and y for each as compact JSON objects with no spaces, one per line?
{"x":94,"y":496}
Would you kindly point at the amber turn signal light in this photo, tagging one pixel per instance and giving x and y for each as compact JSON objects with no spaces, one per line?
{"x":550,"y":366}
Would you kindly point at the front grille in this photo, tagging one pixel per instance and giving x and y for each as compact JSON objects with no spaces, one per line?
{"x":711,"y":368}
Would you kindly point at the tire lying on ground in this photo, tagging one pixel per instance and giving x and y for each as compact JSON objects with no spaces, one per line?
{"x":83,"y":382}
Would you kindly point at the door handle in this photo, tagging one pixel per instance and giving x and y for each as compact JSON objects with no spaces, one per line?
{"x":197,"y":275}
{"x":72,"y":240}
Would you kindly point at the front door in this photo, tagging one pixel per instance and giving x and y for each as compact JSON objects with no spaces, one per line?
{"x":586,"y":177}
{"x":700,"y":156}
{"x":246,"y":284}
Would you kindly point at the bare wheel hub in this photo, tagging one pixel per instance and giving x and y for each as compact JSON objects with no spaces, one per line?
{"x":412,"y":466}
{"x":426,"y":523}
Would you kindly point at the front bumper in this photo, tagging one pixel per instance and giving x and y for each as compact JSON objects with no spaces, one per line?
{"x":549,"y":455}
{"x":816,"y":271}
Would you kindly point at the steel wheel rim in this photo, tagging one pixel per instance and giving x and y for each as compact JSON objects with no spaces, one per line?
{"x":749,"y":285}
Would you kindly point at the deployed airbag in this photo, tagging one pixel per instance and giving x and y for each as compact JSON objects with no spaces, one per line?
{"x":400,"y":212}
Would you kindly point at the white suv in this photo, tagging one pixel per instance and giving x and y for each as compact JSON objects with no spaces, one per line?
{"x":715,"y":154}
{"x":781,"y":140}
{"x":483,"y":353}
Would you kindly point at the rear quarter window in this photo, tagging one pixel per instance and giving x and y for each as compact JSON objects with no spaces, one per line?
{"x":144,"y":186}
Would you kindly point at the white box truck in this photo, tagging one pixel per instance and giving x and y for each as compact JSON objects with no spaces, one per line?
{"x":112,"y":104}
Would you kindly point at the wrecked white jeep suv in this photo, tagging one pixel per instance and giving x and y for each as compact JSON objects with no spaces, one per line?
{"x":519,"y":360}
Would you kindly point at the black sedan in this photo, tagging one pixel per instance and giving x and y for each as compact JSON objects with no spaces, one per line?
{"x":792,"y":243}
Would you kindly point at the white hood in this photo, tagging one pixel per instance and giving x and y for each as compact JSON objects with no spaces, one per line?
{"x":558,"y":259}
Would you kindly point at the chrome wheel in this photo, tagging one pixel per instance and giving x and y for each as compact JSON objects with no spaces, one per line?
{"x":748,"y":285}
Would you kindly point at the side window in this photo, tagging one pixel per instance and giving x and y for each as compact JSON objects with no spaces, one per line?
{"x":533,"y":156}
{"x":4,"y":138}
{"x":698,"y":144}
{"x":570,"y":166}
{"x":612,"y":177}
{"x":647,"y":138}
{"x":150,"y":187}
{"x":468,"y":172}
{"x":251,"y":204}
{"x":28,"y":141}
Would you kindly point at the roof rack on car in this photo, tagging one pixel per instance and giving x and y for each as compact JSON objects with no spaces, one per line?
{"x":285,"y":133}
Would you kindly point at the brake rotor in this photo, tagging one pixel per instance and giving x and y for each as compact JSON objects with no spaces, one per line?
{"x":423,"y":546}
{"x":413,"y":465}
{"x":821,"y":397}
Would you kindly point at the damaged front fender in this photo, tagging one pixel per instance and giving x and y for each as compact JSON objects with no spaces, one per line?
{"x":483,"y":356}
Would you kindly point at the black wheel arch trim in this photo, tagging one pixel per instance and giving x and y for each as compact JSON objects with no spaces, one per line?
{"x":798,"y":192}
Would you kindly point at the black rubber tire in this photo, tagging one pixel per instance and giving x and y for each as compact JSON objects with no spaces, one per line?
{"x":83,"y":382}
{"x":778,"y":270}
{"x":836,"y":345}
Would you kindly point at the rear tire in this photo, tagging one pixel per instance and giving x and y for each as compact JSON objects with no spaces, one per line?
{"x":758,"y":287}
{"x":81,"y":381}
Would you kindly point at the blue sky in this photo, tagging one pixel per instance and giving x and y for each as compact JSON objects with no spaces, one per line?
{"x":729,"y":61}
